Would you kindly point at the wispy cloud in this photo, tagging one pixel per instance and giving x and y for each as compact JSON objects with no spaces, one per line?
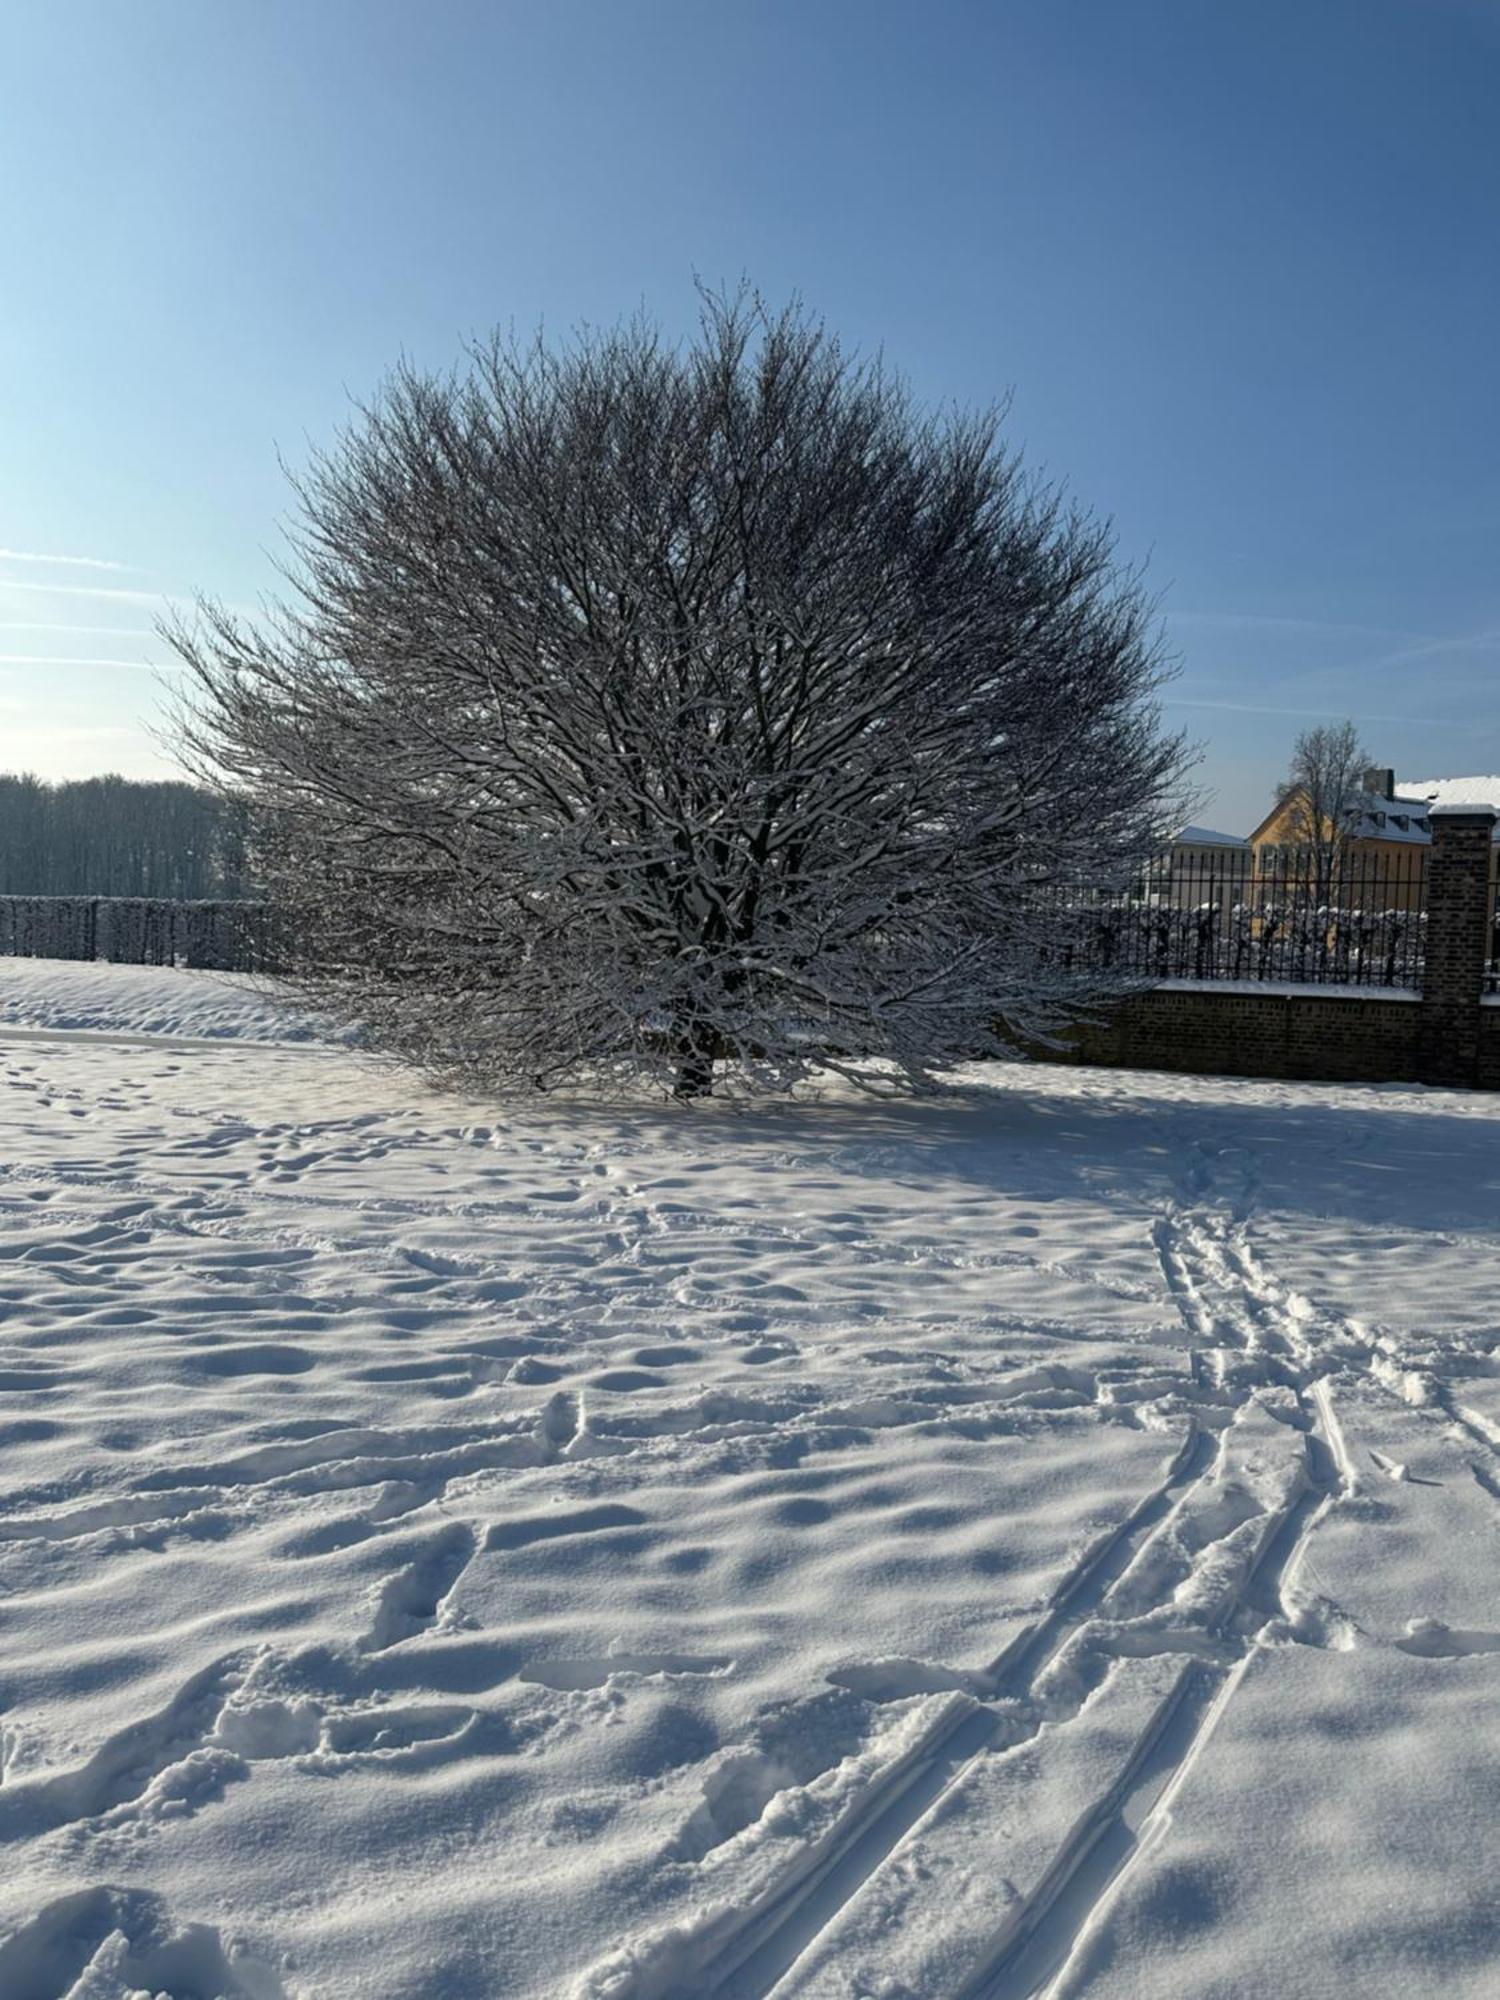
{"x":104,"y":631}
{"x":1256,"y":621}
{"x":85,"y":590}
{"x":1410,"y":647}
{"x":1315,"y":714}
{"x":52,"y":660}
{"x":1429,"y":649}
{"x":72,"y":562}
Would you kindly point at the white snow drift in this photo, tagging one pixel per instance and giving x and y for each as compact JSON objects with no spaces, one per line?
{"x":1039,"y":1540}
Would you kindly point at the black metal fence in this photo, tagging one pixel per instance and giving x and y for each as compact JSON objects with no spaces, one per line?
{"x":139,"y":930}
{"x":1492,"y":940}
{"x":1291,"y":917}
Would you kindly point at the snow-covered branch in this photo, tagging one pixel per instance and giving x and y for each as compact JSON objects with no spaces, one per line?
{"x":647,"y":712}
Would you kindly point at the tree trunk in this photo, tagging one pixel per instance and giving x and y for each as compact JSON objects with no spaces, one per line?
{"x":695,"y":1065}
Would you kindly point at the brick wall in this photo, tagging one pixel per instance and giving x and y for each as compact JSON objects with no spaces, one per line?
{"x":1458,"y":926}
{"x":1442,"y":1035}
{"x":1208,"y":1033}
{"x":1487,"y":1067}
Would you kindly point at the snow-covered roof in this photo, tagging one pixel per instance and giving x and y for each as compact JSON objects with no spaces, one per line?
{"x":1449,"y":793}
{"x":1401,"y":819}
{"x":1206,"y":836}
{"x":1456,"y":791}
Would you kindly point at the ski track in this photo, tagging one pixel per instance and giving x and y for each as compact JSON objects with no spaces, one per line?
{"x":547,"y":1360}
{"x":1250,"y":1334}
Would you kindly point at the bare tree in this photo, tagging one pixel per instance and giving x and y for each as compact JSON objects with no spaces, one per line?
{"x":645,"y":709}
{"x":1324,"y":789}
{"x":114,"y":836}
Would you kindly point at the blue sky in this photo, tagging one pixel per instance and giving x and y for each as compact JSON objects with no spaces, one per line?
{"x":1237,"y":261}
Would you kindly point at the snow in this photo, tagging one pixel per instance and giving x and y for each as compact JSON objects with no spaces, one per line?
{"x":1456,"y":795}
{"x":1207,"y":836}
{"x":59,"y":995}
{"x":1392,"y":820}
{"x":1286,"y":989}
{"x":1038,"y":1539}
{"x":1455,"y":792}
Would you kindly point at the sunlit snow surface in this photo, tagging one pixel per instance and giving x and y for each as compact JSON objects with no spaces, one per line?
{"x":37,"y":994}
{"x":1042,"y":1540}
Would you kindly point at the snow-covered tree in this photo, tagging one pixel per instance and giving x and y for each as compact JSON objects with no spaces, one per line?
{"x":1323,"y":790}
{"x":685,"y":712}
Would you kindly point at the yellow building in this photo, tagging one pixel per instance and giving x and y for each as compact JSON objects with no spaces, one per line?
{"x":1201,"y":865}
{"x":1379,"y":851}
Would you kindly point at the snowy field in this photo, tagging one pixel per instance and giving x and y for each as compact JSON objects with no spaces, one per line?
{"x":39,"y":993}
{"x":1037,"y":1541}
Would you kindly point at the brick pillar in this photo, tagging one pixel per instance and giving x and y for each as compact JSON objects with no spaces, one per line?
{"x":1458,"y":878}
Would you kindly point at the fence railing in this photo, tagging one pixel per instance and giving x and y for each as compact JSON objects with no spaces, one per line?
{"x":1296,"y":918}
{"x":1492,"y":939}
{"x":1358,"y":920}
{"x":139,"y":930}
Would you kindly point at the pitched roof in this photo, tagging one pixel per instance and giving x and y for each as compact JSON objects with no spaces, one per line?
{"x":1206,"y":836}
{"x":1456,"y":791}
{"x":1374,"y":816}
{"x":1476,"y":791}
{"x":1403,"y":818}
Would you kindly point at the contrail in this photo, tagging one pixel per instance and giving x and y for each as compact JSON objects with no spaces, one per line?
{"x":75,"y":562}
{"x":52,"y":660}
{"x":83,"y":590}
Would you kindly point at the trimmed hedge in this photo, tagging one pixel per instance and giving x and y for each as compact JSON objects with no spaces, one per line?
{"x":138,"y":930}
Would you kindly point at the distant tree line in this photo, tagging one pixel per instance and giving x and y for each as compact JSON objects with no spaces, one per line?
{"x":114,"y":836}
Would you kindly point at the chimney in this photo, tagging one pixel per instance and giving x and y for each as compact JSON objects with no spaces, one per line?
{"x":1380,"y":784}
